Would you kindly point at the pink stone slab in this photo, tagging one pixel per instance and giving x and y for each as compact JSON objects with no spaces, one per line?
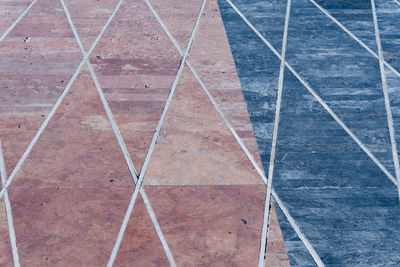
{"x":10,"y":11}
{"x":136,"y":65}
{"x":195,"y":146}
{"x":37,"y":59}
{"x":179,"y":16}
{"x":6,"y":258}
{"x":210,"y":225}
{"x":140,"y":245}
{"x":89,"y":17}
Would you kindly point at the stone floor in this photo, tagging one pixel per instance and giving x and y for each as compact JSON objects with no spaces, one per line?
{"x":193,"y":100}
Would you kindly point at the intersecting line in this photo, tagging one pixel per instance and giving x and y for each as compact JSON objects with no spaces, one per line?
{"x":120,"y":140}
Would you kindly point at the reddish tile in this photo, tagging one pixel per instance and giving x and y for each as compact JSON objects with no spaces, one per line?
{"x":210,"y":225}
{"x":140,"y":245}
{"x":89,"y":17}
{"x":179,"y":16}
{"x":70,"y":196}
{"x":10,"y":11}
{"x":136,"y":65}
{"x":195,"y":147}
{"x":211,"y":57}
{"x":6,"y":258}
{"x":37,"y":59}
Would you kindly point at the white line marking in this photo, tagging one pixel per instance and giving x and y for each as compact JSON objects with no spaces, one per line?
{"x":305,"y":241}
{"x":17,"y":21}
{"x":53,"y":110}
{"x":354,"y":37}
{"x":121,"y":142}
{"x":10,"y":223}
{"x":317,"y":97}
{"x":386,"y":97}
{"x":267,"y":208}
{"x":153,"y":142}
{"x":397,"y":2}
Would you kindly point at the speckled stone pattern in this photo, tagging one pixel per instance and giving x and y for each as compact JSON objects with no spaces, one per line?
{"x":343,"y":202}
{"x":70,"y":195}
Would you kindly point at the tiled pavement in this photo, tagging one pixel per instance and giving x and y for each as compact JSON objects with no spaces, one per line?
{"x":97,"y":95}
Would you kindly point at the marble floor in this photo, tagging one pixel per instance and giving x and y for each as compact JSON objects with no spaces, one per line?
{"x":199,"y":132}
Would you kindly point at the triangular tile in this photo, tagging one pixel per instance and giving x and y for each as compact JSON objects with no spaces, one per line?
{"x":71,"y":194}
{"x":10,"y":11}
{"x":344,"y":204}
{"x":355,"y":15}
{"x":6,"y":257}
{"x":393,"y":83}
{"x":37,"y":59}
{"x":89,"y":17}
{"x":141,"y":245}
{"x":179,"y":16}
{"x":136,"y":65}
{"x":195,"y":147}
{"x":342,"y":73}
{"x":210,"y":225}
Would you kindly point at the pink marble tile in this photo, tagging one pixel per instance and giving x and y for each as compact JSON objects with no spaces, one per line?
{"x":195,"y":146}
{"x":6,"y":258}
{"x":37,"y":59}
{"x":179,"y":16}
{"x":10,"y":11}
{"x":89,"y":17}
{"x":136,"y":65}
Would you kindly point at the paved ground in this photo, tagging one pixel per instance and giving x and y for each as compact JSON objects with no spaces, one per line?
{"x":192,"y":99}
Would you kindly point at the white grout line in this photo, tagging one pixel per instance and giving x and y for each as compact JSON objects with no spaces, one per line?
{"x":354,"y":37}
{"x":17,"y":21}
{"x":397,"y":2}
{"x":386,"y":97}
{"x":318,"y":98}
{"x":121,"y":142}
{"x":305,"y":241}
{"x":10,"y":223}
{"x":154,"y":141}
{"x":56,"y":105}
{"x":267,"y":208}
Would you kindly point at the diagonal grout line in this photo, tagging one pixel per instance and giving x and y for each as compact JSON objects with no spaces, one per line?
{"x":317,"y":97}
{"x":121,"y":142}
{"x":10,"y":223}
{"x":154,"y":141}
{"x":354,"y":37}
{"x":397,"y":2}
{"x":267,"y":208}
{"x":291,"y":220}
{"x":386,"y":97}
{"x":56,"y":105}
{"x":17,"y":21}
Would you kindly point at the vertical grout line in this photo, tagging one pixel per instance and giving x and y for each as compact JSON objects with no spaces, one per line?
{"x":55,"y":107}
{"x":153,"y":142}
{"x":291,"y":220}
{"x":17,"y":21}
{"x":386,"y":98}
{"x":267,"y":208}
{"x":10,"y":223}
{"x":120,"y":140}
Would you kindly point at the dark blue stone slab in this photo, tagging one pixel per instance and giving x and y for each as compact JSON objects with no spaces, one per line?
{"x":355,"y":15}
{"x":388,"y":13}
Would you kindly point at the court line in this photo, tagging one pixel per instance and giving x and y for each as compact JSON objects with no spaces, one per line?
{"x":17,"y":20}
{"x":120,"y":140}
{"x":353,"y":36}
{"x":291,"y":220}
{"x":11,"y":230}
{"x":386,"y":97}
{"x":56,"y":105}
{"x":267,"y":208}
{"x":317,"y":97}
{"x":154,"y":141}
